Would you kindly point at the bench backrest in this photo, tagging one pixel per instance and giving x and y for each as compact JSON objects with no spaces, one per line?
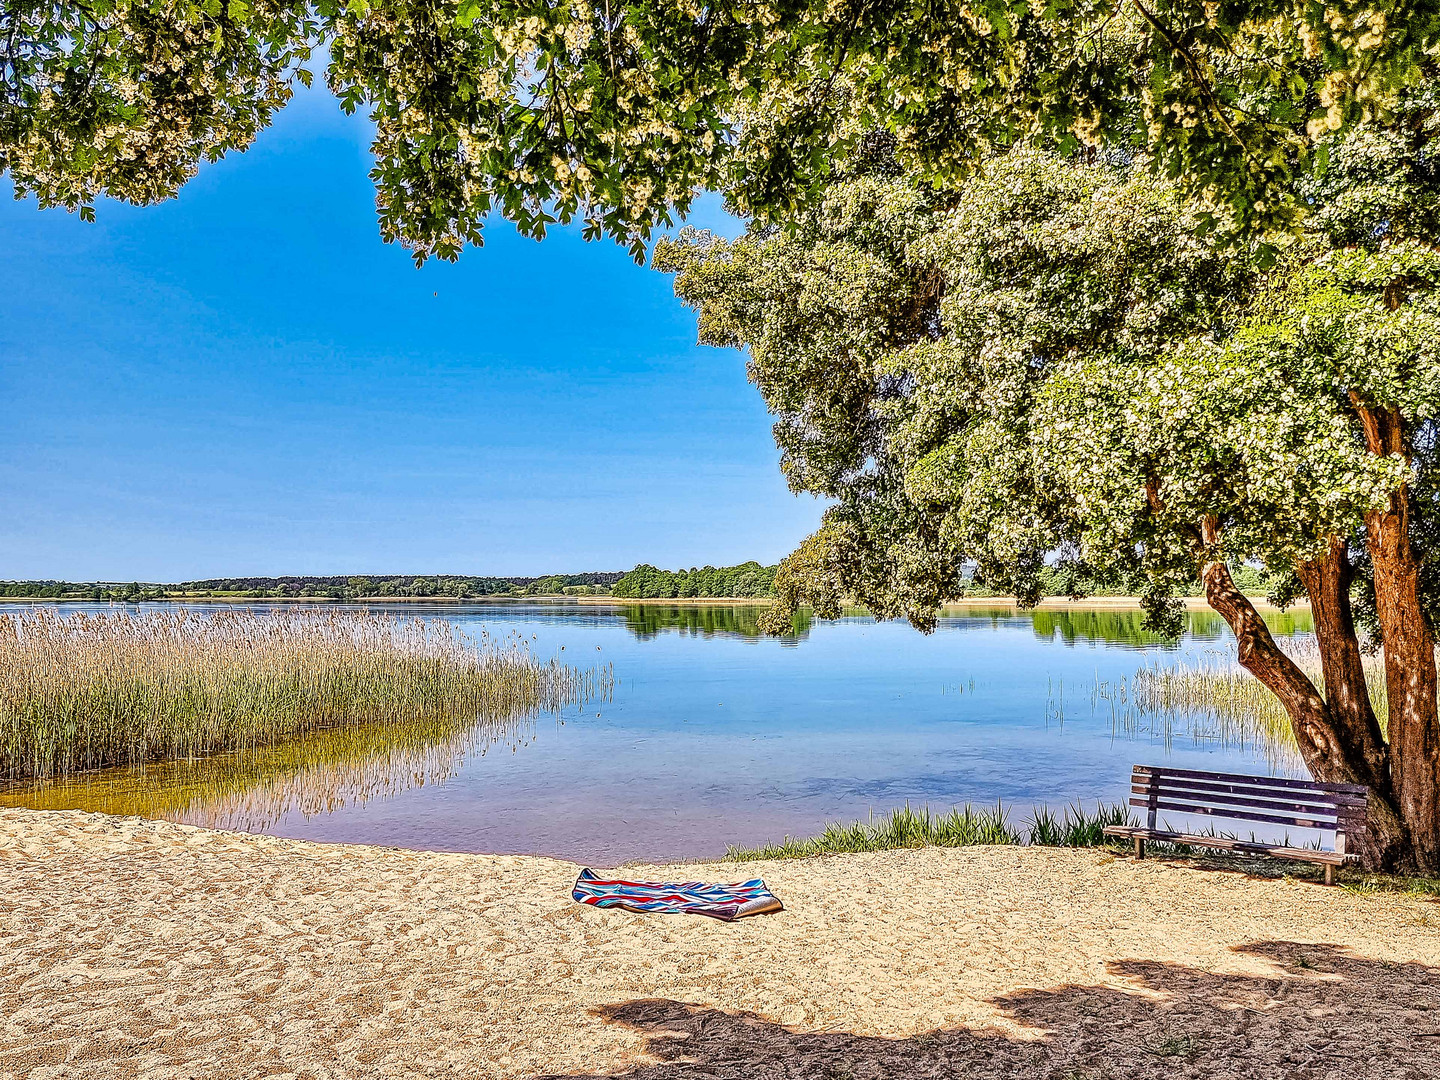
{"x":1302,"y":804}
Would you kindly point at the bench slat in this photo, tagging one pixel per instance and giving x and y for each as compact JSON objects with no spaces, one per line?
{"x":1224,"y":843}
{"x":1321,"y":808}
{"x":1263,"y":791}
{"x":1295,"y":821}
{"x":1276,"y":781}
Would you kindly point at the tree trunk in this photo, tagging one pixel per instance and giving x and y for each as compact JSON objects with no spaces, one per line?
{"x":1327,"y":581}
{"x":1324,"y":746}
{"x":1410,"y":675}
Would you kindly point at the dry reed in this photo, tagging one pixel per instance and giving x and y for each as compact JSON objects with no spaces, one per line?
{"x":1216,"y":700}
{"x":1227,"y":691}
{"x":86,"y":691}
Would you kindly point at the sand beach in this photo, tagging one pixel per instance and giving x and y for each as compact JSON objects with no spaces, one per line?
{"x":135,"y":948}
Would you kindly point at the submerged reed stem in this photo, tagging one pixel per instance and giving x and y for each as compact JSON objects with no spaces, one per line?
{"x":1218,"y":700}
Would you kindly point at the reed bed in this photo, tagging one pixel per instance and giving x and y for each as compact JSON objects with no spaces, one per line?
{"x":1219,"y":701}
{"x":87,"y":691}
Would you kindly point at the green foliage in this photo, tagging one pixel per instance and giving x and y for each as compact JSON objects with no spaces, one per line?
{"x":127,"y":97}
{"x":647,"y":582}
{"x":546,"y":112}
{"x":1054,"y":358}
{"x":50,"y":589}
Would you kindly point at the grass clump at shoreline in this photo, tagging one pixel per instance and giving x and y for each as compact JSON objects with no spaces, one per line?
{"x":1073,"y":827}
{"x":965,"y":826}
{"x":85,"y":691}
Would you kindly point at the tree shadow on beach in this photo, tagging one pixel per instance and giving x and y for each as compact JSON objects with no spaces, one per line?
{"x":1323,"y":1012}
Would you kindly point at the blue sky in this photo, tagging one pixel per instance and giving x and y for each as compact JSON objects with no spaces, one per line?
{"x":245,"y":380}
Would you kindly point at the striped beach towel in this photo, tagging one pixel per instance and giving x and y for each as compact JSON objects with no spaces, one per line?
{"x":693,"y":897}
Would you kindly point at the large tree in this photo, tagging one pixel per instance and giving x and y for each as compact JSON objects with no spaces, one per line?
{"x":1052,"y":359}
{"x":545,"y":110}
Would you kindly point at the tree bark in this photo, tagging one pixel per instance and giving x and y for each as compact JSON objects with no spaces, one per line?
{"x":1327,"y":581}
{"x":1324,"y":746}
{"x":1409,"y":642}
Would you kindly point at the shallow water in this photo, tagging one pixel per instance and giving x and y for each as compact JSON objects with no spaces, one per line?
{"x":716,"y":736}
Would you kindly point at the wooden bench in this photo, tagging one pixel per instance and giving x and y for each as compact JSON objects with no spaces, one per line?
{"x":1301,"y":804}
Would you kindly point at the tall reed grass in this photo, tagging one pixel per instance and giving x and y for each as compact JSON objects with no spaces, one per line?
{"x":84,"y":691}
{"x":1217,"y":700}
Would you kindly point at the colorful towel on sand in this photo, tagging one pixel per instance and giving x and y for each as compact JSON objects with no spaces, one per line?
{"x":693,"y":897}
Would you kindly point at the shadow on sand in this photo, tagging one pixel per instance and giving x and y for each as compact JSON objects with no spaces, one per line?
{"x":1323,"y":1012}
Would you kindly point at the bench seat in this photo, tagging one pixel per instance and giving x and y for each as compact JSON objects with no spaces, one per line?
{"x":1303,"y":804}
{"x":1279,"y":851}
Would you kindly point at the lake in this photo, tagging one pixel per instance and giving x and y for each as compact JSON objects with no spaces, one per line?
{"x":716,"y":736}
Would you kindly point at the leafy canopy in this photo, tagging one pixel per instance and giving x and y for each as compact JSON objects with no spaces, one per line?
{"x":617,"y":113}
{"x":1053,"y":358}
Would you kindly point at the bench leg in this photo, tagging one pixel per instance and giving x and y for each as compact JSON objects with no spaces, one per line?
{"x":1329,"y":874}
{"x":1139,"y":848}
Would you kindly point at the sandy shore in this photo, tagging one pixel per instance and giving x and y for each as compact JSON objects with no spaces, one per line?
{"x":131,"y":948}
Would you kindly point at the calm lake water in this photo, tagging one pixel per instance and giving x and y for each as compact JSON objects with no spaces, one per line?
{"x":716,"y":736}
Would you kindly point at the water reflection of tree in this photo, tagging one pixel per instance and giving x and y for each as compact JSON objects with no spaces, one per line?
{"x":647,"y":621}
{"x":1118,"y":626}
{"x":1125,"y":626}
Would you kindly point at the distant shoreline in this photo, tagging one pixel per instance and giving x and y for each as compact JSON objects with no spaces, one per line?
{"x":1191,"y":603}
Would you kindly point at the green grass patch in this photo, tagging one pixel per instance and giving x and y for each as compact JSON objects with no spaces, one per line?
{"x":902,"y":828}
{"x":964,"y":826}
{"x":1073,"y":827}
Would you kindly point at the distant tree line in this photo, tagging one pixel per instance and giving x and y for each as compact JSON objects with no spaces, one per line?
{"x":752,"y":580}
{"x":90,"y":590}
{"x":648,"y":582}
{"x":749,"y":580}
{"x":436,"y":585}
{"x":333,"y":588}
